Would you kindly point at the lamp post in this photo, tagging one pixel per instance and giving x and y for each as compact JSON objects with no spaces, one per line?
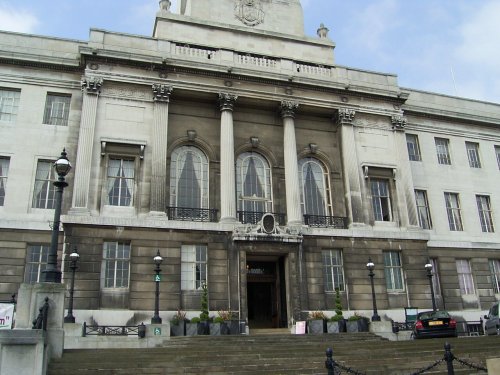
{"x":156,"y":317}
{"x":370,"y":266}
{"x":62,"y":167}
{"x":73,"y":257}
{"x":428,"y":268}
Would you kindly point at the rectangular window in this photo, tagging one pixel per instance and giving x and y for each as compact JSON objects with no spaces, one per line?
{"x":381,"y":200}
{"x":393,"y":271}
{"x":4,"y":172}
{"x":44,"y":190}
{"x":443,"y":150}
{"x":484,"y":210}
{"x":56,"y":109}
{"x":453,"y":211}
{"x":193,"y":266}
{"x":465,"y":277}
{"x":413,"y":147}
{"x":436,"y":283}
{"x":334,"y":271}
{"x":36,"y":262}
{"x":116,"y":260}
{"x":120,"y":189}
{"x":473,"y":154}
{"x":424,"y":214}
{"x":495,"y":274}
{"x":9,"y":104}
{"x":497,"y":152}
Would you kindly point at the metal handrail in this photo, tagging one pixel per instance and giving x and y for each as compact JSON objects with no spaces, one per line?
{"x":192,"y":214}
{"x":321,"y":221}
{"x":96,"y":330}
{"x":253,"y":217}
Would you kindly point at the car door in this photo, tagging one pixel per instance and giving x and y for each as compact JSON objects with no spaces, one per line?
{"x":493,"y":321}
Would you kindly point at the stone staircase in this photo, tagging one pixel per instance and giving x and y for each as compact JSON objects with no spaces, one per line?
{"x":278,"y":354}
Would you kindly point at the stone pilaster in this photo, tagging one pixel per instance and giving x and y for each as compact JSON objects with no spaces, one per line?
{"x":91,"y":87}
{"x":293,"y":210}
{"x":227,"y":171}
{"x":158,"y":199}
{"x":404,"y":183}
{"x":352,"y":183}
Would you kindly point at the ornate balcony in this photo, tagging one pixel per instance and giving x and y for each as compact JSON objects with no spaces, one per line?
{"x":192,"y":214}
{"x":337,"y":222}
{"x":253,"y":217}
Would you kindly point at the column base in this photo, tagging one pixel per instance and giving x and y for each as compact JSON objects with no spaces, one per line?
{"x":228,"y":220}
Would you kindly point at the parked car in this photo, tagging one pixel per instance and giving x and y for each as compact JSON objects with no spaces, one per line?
{"x":492,"y":324}
{"x":434,"y":324}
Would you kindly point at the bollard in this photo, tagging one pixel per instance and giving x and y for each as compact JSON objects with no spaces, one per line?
{"x":449,"y":357}
{"x":141,"y":330}
{"x":329,"y":364}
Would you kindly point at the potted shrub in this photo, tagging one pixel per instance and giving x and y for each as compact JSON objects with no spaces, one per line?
{"x":316,"y":322}
{"x":204,"y":317}
{"x":337,"y":322}
{"x":357,"y":323}
{"x":225,"y":316}
{"x":178,"y":324}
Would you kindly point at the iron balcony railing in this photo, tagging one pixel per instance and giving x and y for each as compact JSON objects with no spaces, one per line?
{"x":253,"y":217}
{"x":192,"y":214}
{"x":337,"y":222}
{"x":95,"y":330}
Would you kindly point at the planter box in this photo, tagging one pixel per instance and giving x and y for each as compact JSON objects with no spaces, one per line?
{"x":191,"y":329}
{"x":336,"y":327}
{"x":316,"y":327}
{"x":203,"y":328}
{"x":360,"y":325}
{"x":236,"y":326}
{"x":217,"y":329}
{"x":178,"y":329}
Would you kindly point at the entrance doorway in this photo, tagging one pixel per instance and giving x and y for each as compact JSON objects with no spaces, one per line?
{"x":266,"y":292}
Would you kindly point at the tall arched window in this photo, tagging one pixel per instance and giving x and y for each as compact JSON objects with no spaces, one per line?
{"x":253,"y":183}
{"x":188,"y":178}
{"x":315,"y":188}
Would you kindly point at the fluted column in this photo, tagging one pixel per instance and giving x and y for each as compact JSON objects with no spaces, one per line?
{"x":161,"y":97}
{"x":293,"y":210}
{"x":408,"y":207}
{"x":91,"y":87}
{"x":227,"y":172}
{"x":352,"y":183}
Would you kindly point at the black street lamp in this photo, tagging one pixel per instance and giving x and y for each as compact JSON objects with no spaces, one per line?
{"x":370,"y":265}
{"x":428,"y":268}
{"x":62,"y":167}
{"x":156,"y":317}
{"x":73,"y":257}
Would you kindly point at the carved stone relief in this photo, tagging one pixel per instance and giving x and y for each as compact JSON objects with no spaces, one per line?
{"x":250,"y":12}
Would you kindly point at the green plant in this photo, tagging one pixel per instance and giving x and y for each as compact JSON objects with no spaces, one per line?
{"x":195,"y":320}
{"x":317,"y":315}
{"x":204,"y":302}
{"x":356,"y":317}
{"x":178,"y":317}
{"x":218,"y":319}
{"x":338,"y":304}
{"x":336,"y":318}
{"x":225,"y":314}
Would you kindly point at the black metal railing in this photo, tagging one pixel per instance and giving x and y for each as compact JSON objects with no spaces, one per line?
{"x":95,"y":330}
{"x":192,"y":214}
{"x":40,"y":322}
{"x":337,"y":222}
{"x":253,"y":217}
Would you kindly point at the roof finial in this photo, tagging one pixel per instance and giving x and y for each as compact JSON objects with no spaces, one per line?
{"x":323,"y":31}
{"x":165,"y":5}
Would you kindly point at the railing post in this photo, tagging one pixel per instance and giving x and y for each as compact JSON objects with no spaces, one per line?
{"x":329,"y":363}
{"x":84,"y":329}
{"x":449,"y":357}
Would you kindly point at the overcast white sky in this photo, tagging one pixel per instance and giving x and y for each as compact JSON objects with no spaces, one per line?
{"x":446,"y":46}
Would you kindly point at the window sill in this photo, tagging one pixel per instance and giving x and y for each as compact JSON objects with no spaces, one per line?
{"x":118,"y":211}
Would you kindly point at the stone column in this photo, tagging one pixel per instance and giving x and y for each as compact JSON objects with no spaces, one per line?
{"x":91,"y":87}
{"x":293,"y":210}
{"x":407,"y":208}
{"x":352,"y":183}
{"x":158,"y":199}
{"x":227,"y":172}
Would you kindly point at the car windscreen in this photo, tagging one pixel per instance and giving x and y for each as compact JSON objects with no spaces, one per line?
{"x":433,"y":315}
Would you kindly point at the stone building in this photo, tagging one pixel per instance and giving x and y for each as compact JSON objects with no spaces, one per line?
{"x":235,"y":145}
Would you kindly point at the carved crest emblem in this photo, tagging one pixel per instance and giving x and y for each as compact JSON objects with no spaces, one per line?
{"x":249,"y":12}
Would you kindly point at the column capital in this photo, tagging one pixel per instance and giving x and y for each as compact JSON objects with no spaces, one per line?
{"x":161,"y":92}
{"x":288,"y":108}
{"x":345,"y":116}
{"x":227,"y":101}
{"x":91,"y":85}
{"x":399,"y":122}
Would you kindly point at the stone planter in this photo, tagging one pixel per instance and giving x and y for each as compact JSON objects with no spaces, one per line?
{"x":360,"y":325}
{"x":191,"y":329}
{"x":178,"y":329}
{"x":203,"y":328}
{"x":234,"y":326}
{"x":336,"y":326}
{"x":316,"y":327}
{"x":217,"y":329}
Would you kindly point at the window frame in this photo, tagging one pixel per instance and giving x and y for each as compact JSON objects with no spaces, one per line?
{"x":413,"y":147}
{"x":40,"y":264}
{"x":436,"y":280}
{"x":192,"y":257}
{"x":472,"y":149}
{"x":465,"y":276}
{"x":122,"y":181}
{"x":497,"y":153}
{"x":14,"y":98}
{"x":423,"y":209}
{"x":4,"y":175}
{"x":443,"y":150}
{"x":393,"y":271}
{"x":333,"y":270}
{"x":59,"y":120}
{"x":46,"y":186}
{"x":454,"y":214}
{"x":381,"y":201}
{"x":326,"y":187}
{"x":485,"y":213}
{"x":494,"y":265}
{"x":112,"y":263}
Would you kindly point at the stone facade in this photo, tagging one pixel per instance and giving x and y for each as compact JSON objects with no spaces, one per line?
{"x":231,"y":86}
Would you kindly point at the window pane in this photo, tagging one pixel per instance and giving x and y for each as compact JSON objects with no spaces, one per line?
{"x":121,"y":175}
{"x":495,"y":274}
{"x":381,"y":200}
{"x":4,"y":172}
{"x":333,"y":270}
{"x":393,"y":271}
{"x":253,"y":183}
{"x":473,"y":154}
{"x":314,"y":188}
{"x":436,"y":283}
{"x":193,"y":266}
{"x":44,"y":189}
{"x":56,"y":109}
{"x":442,"y":150}
{"x":453,"y":211}
{"x":484,"y":210}
{"x":413,"y":147}
{"x":9,"y":104}
{"x":497,"y":152}
{"x":37,"y":257}
{"x":116,"y":264}
{"x":465,"y":277}
{"x":424,"y":214}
